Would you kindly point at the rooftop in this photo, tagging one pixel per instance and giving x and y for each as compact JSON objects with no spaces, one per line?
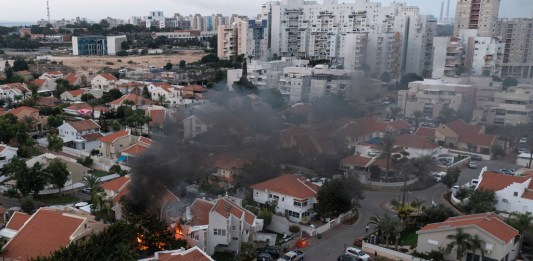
{"x":290,"y":185}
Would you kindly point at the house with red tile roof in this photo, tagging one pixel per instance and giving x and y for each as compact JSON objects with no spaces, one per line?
{"x":15,"y":223}
{"x":171,"y":94}
{"x":226,"y":167}
{"x":73,"y":95}
{"x":80,"y":135}
{"x":426,"y":132}
{"x":73,"y":79}
{"x":500,"y":240}
{"x":295,"y":195}
{"x":54,"y":75}
{"x":83,"y":109}
{"x":466,"y":137}
{"x":416,"y":145}
{"x":135,"y":150}
{"x":112,"y":144}
{"x":118,"y":188}
{"x":24,"y":111}
{"x":356,"y":162}
{"x":25,"y":74}
{"x":14,"y":91}
{"x":230,"y":225}
{"x":6,"y":154}
{"x":191,"y":254}
{"x":193,"y":92}
{"x":137,"y":101}
{"x":44,"y":84}
{"x":514,"y":193}
{"x":48,"y":230}
{"x":364,"y":129}
{"x":104,"y":81}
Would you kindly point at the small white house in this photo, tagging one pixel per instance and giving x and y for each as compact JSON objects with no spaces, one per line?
{"x":6,"y":154}
{"x":104,"y":81}
{"x":514,"y":193}
{"x":293,"y":195}
{"x":416,"y":145}
{"x":81,"y":135}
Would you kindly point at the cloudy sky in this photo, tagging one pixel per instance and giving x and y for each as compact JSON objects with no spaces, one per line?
{"x":33,"y":10}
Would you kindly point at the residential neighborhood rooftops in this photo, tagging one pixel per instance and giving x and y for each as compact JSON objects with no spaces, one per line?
{"x":108,"y":76}
{"x":84,"y":125}
{"x":489,"y":222}
{"x":357,"y":161}
{"x":289,"y":184}
{"x":471,"y":134}
{"x":136,"y":99}
{"x":497,"y":181}
{"x":76,"y":93}
{"x":135,"y":149}
{"x":17,"y":220}
{"x":226,"y":207}
{"x":46,"y":231}
{"x":415,"y":141}
{"x":200,"y":209}
{"x":426,"y":132}
{"x":114,"y":136}
{"x":22,"y":110}
{"x":191,"y":254}
{"x":115,"y":184}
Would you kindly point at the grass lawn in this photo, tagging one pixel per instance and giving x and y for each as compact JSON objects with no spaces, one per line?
{"x":57,"y":200}
{"x":35,"y":153}
{"x":408,"y":237}
{"x":99,"y":173}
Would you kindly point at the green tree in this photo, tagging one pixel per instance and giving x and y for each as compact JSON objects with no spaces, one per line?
{"x":146,"y":93}
{"x":8,"y":71}
{"x":418,"y":116}
{"x":460,"y":241}
{"x":55,"y":121}
{"x":438,"y":213}
{"x":116,"y":125}
{"x":451,"y":177}
{"x":385,"y":77}
{"x":27,"y":205}
{"x":521,"y":221}
{"x":116,"y":169}
{"x":55,"y":143}
{"x":58,"y":173}
{"x":509,"y":82}
{"x":387,"y":147}
{"x":247,"y":252}
{"x":447,"y":115}
{"x":338,"y":196}
{"x":87,"y":97}
{"x":477,"y":244}
{"x":481,"y":201}
{"x":385,"y":225}
{"x":497,"y":151}
{"x":85,"y":161}
{"x":258,"y":170}
{"x":20,"y":65}
{"x":265,"y":213}
{"x":425,"y":165}
{"x":29,"y":180}
{"x":395,"y":112}
{"x":125,"y":45}
{"x":182,"y":64}
{"x":92,"y":182}
{"x":168,"y":66}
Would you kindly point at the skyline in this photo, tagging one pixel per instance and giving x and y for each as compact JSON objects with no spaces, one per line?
{"x":123,"y":9}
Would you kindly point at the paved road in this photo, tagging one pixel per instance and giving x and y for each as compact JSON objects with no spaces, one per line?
{"x":332,"y":243}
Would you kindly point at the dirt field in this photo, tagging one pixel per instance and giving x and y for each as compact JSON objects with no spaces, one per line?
{"x":87,"y":62}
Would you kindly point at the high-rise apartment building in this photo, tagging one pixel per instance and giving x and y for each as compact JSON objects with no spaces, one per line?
{"x":518,"y":52}
{"x":477,"y":14}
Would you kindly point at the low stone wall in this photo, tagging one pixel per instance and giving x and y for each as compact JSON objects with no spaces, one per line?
{"x":388,"y":253}
{"x":386,"y":185}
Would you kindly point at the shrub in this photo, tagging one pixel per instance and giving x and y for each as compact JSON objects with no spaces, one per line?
{"x":109,"y":63}
{"x":294,"y":229}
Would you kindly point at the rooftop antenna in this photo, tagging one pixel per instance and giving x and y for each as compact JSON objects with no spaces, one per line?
{"x":48,"y":10}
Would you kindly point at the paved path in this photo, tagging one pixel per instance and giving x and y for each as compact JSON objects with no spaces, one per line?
{"x":332,"y":243}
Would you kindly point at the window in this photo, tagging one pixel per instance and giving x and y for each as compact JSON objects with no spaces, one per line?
{"x":292,"y":214}
{"x":515,"y":194}
{"x":232,"y":227}
{"x":219,"y":232}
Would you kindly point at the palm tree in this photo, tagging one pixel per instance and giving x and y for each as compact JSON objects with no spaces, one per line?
{"x":92,"y":182}
{"x":387,"y":146}
{"x":386,"y":226}
{"x":161,"y":99}
{"x":476,"y":244}
{"x":29,"y":121}
{"x":522,"y":223}
{"x":93,"y":103}
{"x":101,"y":206}
{"x":460,"y":241}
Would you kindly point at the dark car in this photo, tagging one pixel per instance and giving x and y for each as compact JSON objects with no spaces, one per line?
{"x":346,"y":258}
{"x":273,"y":251}
{"x":359,"y":241}
{"x":476,"y":157}
{"x":264,"y":257}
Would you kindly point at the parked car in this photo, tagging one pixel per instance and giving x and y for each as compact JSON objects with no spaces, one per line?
{"x":273,"y":251}
{"x":522,"y":150}
{"x":454,"y":189}
{"x":357,"y":253}
{"x":523,"y":140}
{"x":474,"y":183}
{"x":346,"y":258}
{"x":438,"y":177}
{"x":476,"y":157}
{"x":508,"y":171}
{"x":294,"y":255}
{"x":472,"y":165}
{"x":264,"y":257}
{"x":86,"y":190}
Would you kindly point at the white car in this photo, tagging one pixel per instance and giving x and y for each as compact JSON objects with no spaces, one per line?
{"x":357,"y":253}
{"x":438,"y":177}
{"x":474,"y":183}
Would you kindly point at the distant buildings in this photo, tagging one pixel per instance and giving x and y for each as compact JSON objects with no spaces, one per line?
{"x":97,"y":45}
{"x":518,"y":51}
{"x":509,"y":107}
{"x":430,"y":97}
{"x":477,"y":14}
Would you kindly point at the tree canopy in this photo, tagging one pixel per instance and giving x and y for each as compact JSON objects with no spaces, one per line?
{"x":338,"y":196}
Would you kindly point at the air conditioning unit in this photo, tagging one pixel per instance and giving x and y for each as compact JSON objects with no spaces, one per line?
{"x":505,"y":200}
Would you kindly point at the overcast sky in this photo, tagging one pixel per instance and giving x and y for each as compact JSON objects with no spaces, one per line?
{"x":33,"y":10}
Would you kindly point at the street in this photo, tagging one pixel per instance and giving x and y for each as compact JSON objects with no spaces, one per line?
{"x":332,"y":243}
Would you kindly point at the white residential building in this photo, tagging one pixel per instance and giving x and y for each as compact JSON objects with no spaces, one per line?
{"x":104,"y":81}
{"x":293,"y":196}
{"x":514,"y":193}
{"x":221,"y":224}
{"x":6,"y":154}
{"x":81,"y":135}
{"x":264,"y":75}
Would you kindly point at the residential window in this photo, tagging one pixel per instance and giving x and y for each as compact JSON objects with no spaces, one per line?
{"x":300,"y":204}
{"x":232,"y":227}
{"x":219,"y":232}
{"x":292,"y":214}
{"x":235,"y":238}
{"x":516,"y":194}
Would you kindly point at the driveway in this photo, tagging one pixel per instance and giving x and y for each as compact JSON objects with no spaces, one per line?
{"x":332,"y":243}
